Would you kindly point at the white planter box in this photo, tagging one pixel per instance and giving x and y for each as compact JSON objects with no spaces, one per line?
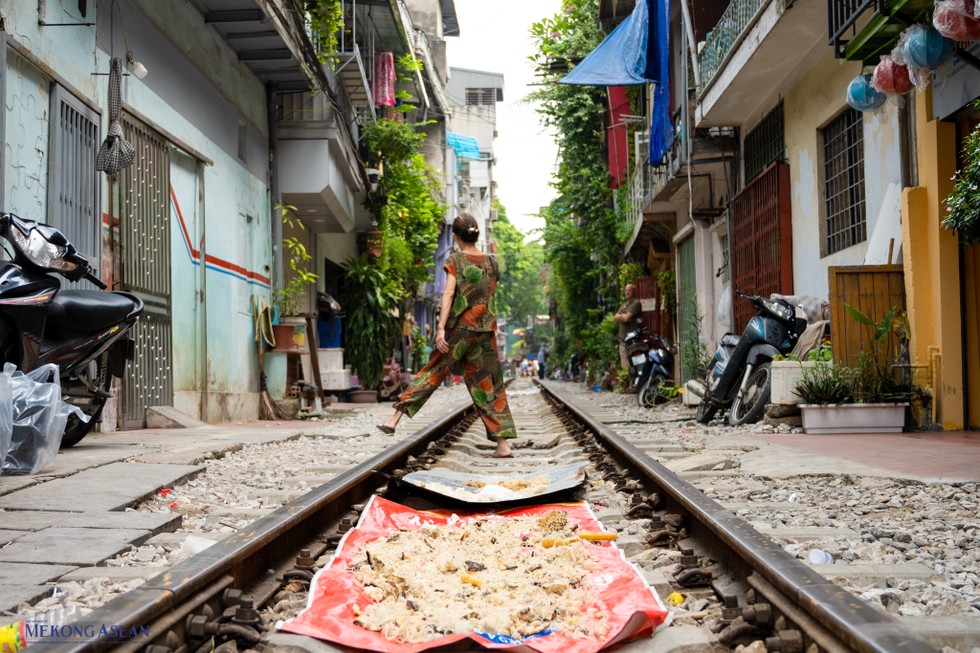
{"x":330,"y":359}
{"x":819,"y":419}
{"x":336,"y":379}
{"x":785,"y":376}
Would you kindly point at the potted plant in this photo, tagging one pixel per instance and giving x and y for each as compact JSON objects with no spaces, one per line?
{"x":868,"y":398}
{"x":371,"y":327}
{"x":289,"y":326}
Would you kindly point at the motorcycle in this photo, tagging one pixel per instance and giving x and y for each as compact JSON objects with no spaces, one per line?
{"x":739,"y":378}
{"x":651,"y":364}
{"x":84,"y":332}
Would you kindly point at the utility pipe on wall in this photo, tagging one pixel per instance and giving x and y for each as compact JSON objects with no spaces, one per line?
{"x":692,"y":46}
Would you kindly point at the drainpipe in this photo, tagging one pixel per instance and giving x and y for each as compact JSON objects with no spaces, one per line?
{"x":689,"y":25}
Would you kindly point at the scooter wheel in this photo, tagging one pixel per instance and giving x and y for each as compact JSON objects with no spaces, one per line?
{"x":705,"y":412}
{"x":650,"y":395}
{"x":749,"y":406}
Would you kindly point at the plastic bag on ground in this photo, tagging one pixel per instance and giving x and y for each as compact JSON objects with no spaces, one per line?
{"x":38,"y":418}
{"x":6,"y":417}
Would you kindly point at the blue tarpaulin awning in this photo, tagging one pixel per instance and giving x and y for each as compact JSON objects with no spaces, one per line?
{"x":636,"y":52}
{"x":626,"y":57}
{"x":466,"y":147}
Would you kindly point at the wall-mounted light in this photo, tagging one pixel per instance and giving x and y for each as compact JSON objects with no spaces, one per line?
{"x":137,"y":67}
{"x":373,"y":175}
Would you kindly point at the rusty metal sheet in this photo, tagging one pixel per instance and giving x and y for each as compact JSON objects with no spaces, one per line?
{"x":498,"y":488}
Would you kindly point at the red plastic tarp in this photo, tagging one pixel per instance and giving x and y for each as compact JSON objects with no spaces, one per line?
{"x":633,"y":607}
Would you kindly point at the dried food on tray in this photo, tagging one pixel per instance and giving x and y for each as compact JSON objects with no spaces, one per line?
{"x":483,"y":488}
{"x":546,"y":577}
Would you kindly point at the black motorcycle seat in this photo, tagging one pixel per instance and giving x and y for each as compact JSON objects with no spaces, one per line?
{"x":88,"y":310}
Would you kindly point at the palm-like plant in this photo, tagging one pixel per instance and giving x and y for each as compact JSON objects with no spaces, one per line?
{"x":371,"y":328}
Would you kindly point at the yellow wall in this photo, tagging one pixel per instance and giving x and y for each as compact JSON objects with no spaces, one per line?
{"x":931,"y":260}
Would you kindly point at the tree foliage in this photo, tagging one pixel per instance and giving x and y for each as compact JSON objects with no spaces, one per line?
{"x":583,"y":237}
{"x":412,"y":210}
{"x":521,"y":290}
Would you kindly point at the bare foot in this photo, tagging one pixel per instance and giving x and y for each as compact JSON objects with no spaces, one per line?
{"x":389,"y":426}
{"x":503,"y":449}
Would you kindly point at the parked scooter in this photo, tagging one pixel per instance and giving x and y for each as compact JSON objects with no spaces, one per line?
{"x":651,"y":364}
{"x":84,"y":332}
{"x":740,"y":377}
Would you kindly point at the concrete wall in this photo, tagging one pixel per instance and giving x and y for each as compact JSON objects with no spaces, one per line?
{"x":810,"y":105}
{"x":197,"y":96}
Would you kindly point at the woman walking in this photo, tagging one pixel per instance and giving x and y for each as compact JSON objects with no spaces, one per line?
{"x":466,"y":338}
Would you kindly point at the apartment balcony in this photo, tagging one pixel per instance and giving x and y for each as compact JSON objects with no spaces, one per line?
{"x":697,"y":183}
{"x":755,"y":51}
{"x":863,"y":30}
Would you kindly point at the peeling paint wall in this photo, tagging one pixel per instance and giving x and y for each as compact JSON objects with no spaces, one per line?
{"x":809,"y":106}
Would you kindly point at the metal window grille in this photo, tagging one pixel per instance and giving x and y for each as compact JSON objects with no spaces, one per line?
{"x":480,"y":96}
{"x":74,"y":184}
{"x":144,"y":223}
{"x":765,"y":143}
{"x":843,"y":149}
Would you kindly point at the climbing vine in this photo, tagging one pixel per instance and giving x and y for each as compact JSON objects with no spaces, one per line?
{"x":326,"y":18}
{"x":584,"y":236}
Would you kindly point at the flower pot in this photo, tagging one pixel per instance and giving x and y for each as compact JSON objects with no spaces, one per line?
{"x":785,"y":376}
{"x":363,"y":396}
{"x":820,"y":419}
{"x":290,"y":333}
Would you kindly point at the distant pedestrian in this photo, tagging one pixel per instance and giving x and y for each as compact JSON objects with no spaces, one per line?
{"x":541,"y":364}
{"x":466,"y":338}
{"x":626,"y":316}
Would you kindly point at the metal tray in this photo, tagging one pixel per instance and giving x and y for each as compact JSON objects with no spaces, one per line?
{"x":452,"y":484}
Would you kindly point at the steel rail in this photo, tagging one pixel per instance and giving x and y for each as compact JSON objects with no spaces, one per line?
{"x":858,"y":626}
{"x":244,"y":556}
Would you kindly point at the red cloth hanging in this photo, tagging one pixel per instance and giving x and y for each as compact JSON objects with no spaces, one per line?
{"x":383,"y":87}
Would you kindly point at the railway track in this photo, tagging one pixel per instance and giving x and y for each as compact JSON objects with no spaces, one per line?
{"x":738,"y":585}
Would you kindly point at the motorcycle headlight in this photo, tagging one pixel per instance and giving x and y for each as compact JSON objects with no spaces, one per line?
{"x":40,"y":252}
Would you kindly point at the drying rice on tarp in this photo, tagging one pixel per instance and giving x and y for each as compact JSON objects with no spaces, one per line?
{"x":540,"y":578}
{"x":489,"y":491}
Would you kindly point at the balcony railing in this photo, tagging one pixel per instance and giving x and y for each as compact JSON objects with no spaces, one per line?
{"x":726,"y":36}
{"x":842,"y":15}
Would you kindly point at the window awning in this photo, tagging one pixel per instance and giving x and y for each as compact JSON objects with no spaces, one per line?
{"x":466,"y":147}
{"x":627,"y":57}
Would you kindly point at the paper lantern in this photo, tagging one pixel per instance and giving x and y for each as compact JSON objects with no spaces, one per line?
{"x":862,"y":96}
{"x":927,"y":48}
{"x":954,"y":19}
{"x":891,"y":77}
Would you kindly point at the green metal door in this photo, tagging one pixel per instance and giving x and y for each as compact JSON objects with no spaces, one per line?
{"x":688,"y":322}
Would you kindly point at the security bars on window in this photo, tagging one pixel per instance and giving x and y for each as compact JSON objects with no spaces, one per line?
{"x":843,"y":141}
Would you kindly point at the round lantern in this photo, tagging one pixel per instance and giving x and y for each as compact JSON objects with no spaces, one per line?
{"x":954,"y":19}
{"x":862,"y":96}
{"x":890,"y":77}
{"x":927,"y":48}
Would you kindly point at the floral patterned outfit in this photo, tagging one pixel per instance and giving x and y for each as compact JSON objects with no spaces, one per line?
{"x":471,"y":332}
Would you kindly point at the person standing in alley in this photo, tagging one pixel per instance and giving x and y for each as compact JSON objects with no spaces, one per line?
{"x":466,"y":338}
{"x":626,"y":316}
{"x":541,"y":365}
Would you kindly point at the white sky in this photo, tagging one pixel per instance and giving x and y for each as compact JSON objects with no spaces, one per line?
{"x":494,"y":37}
